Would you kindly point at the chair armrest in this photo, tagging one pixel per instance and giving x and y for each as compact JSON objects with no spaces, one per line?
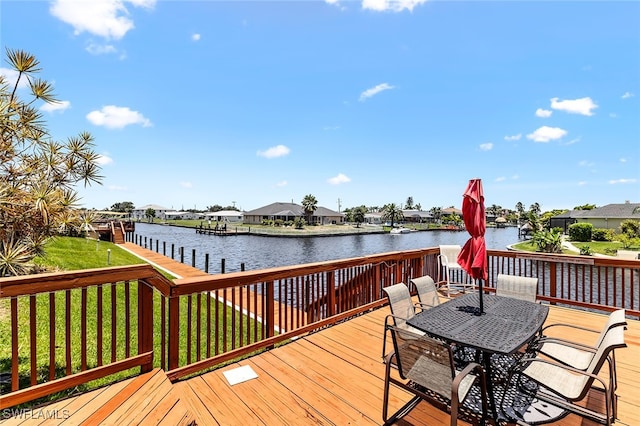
{"x":578,"y":327}
{"x":577,"y":345}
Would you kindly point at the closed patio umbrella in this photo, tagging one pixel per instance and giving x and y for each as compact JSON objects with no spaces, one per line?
{"x":473,"y":256}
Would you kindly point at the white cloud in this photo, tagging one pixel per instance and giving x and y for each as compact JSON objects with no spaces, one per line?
{"x":340,"y":178}
{"x":56,"y":106}
{"x":546,"y":134}
{"x":500,"y":179}
{"x":582,"y":106}
{"x":374,"y":91}
{"x":109,"y":19}
{"x":195,"y":37}
{"x":613,"y":115}
{"x":335,"y":3}
{"x":104,"y":159}
{"x":623,"y":160}
{"x":544,"y":113}
{"x":274,"y":152}
{"x":585,"y":163}
{"x":513,"y":137}
{"x":582,"y":183}
{"x":627,"y":95}
{"x":186,"y":184}
{"x":100,"y":49}
{"x":391,"y":5}
{"x":486,"y":146}
{"x":114,"y":117}
{"x":11,"y":76}
{"x":622,"y":181}
{"x":282,"y":183}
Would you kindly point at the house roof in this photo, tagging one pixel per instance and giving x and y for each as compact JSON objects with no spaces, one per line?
{"x":416,"y":213}
{"x":289,"y":209}
{"x":153,"y":206}
{"x":610,"y":211}
{"x":225,"y":213}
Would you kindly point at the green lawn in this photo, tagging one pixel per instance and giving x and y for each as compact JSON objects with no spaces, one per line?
{"x":68,"y":253}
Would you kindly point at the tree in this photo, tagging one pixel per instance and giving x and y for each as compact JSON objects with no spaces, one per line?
{"x":123,"y":207}
{"x":150,"y":214}
{"x":310,"y":205}
{"x":535,"y":208}
{"x":436,"y":213}
{"x":358,"y":215}
{"x":392,"y":213}
{"x":38,"y":175}
{"x":409,"y":204}
{"x":585,"y":207}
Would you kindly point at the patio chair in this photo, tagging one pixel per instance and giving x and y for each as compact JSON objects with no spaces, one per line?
{"x":426,"y":369}
{"x":579,"y":354}
{"x":427,"y":291}
{"x":402,"y":309}
{"x":517,"y":287}
{"x":566,"y":387}
{"x":448,"y":267}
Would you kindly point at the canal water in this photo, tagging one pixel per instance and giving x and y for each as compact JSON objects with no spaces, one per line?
{"x":258,"y":252}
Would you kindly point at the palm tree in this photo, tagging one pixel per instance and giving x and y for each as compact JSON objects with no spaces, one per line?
{"x":409,"y":204}
{"x":310,"y":205}
{"x":392,"y":213}
{"x":436,"y":213}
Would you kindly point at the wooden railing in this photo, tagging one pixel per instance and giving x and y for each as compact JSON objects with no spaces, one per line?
{"x":103,"y":321}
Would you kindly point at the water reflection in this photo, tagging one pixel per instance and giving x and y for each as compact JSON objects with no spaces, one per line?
{"x":257,"y":252}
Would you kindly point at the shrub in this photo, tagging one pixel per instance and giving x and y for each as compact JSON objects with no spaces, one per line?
{"x":580,"y":232}
{"x":602,"y":234}
{"x":548,"y":241}
{"x":630,"y":227}
{"x":586,"y":251}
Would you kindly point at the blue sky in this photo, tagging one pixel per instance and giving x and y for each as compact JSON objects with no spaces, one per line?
{"x":250,"y":102}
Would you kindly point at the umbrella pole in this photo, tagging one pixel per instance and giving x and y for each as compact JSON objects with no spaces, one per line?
{"x":480,"y":310}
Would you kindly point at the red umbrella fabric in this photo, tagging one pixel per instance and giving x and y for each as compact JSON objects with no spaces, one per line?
{"x":473,"y":256}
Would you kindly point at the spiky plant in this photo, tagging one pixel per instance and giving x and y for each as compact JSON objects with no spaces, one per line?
{"x":37,"y":174}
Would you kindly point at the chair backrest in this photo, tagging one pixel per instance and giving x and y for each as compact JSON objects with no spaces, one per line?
{"x":427,"y":291}
{"x":613,"y":339}
{"x":517,"y":287}
{"x":425,"y":361}
{"x":450,"y":253}
{"x":616,"y":318}
{"x":400,"y":303}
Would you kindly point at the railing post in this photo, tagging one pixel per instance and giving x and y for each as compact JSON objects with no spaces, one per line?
{"x":553,"y":281}
{"x":174,"y":332}
{"x":145,"y":322}
{"x":331,"y":294}
{"x":269,"y":309}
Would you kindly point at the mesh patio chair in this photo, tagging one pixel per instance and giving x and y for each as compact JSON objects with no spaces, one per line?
{"x":402,"y":309}
{"x":579,"y":354}
{"x":517,"y":287}
{"x":426,"y":369}
{"x":449,"y":267}
{"x":427,"y":291}
{"x":566,"y":387}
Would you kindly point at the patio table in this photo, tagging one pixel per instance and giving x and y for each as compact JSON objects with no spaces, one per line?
{"x":504,"y":327}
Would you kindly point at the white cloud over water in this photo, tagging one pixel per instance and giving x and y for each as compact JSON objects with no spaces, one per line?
{"x":374,"y":91}
{"x":582,"y":106}
{"x":546,"y":134}
{"x":274,"y":152}
{"x":115,"y":117}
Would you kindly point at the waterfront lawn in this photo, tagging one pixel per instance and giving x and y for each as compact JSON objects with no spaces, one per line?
{"x":72,"y":254}
{"x":76,"y":253}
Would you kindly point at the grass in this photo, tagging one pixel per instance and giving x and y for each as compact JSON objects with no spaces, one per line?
{"x":608,"y":248}
{"x":68,"y":253}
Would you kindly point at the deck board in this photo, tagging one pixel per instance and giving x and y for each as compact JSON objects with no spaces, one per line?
{"x":331,"y":377}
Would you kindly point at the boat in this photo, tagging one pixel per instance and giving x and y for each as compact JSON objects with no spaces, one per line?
{"x":400,"y":230}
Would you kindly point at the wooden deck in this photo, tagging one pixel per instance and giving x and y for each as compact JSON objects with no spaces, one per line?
{"x":333,"y":376}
